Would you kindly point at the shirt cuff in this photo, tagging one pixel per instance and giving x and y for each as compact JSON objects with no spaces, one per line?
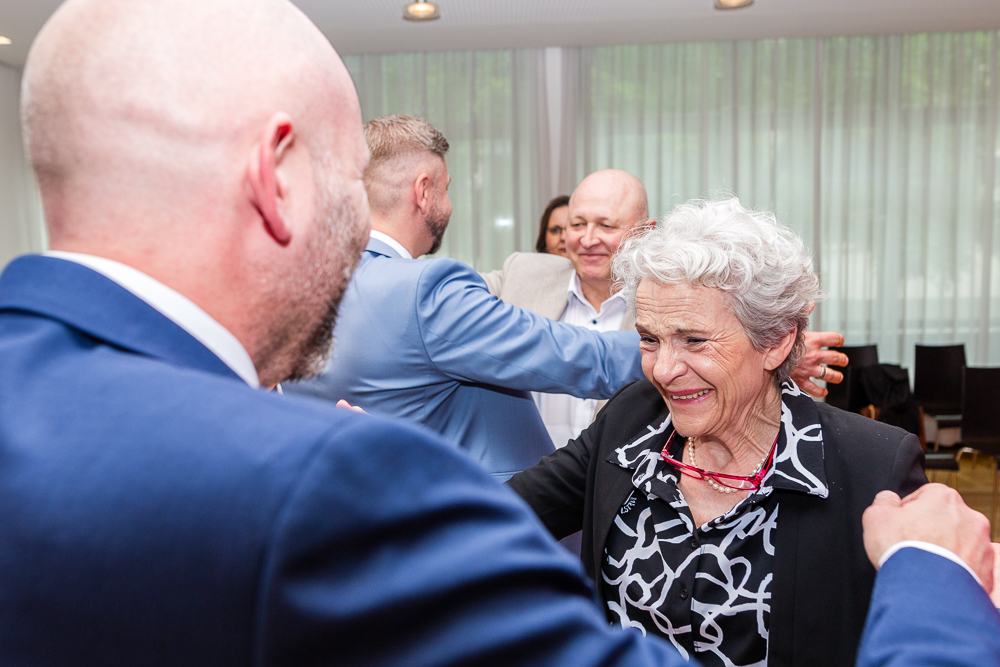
{"x":927,"y":546}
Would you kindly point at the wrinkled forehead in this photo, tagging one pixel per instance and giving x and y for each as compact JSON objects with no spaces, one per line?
{"x":683,"y":308}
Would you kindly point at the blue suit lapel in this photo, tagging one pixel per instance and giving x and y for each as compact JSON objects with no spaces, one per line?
{"x":100,"y":308}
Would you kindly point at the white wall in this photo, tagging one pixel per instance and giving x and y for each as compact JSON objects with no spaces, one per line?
{"x":21,"y":224}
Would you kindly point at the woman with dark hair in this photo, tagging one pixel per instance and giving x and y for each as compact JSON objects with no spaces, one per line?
{"x":552,"y":232}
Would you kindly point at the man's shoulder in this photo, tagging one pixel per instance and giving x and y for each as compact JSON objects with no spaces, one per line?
{"x":536,"y":264}
{"x":379,"y":268}
{"x":535,"y":281}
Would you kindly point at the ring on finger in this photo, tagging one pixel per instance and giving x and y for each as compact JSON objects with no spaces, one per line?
{"x":822,"y":373}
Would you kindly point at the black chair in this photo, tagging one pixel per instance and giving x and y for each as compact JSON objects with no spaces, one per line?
{"x":981,"y":418}
{"x":849,"y":395}
{"x":888,"y":388}
{"x":937,"y":381}
{"x":937,"y":384}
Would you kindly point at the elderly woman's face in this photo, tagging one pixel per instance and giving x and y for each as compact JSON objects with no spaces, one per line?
{"x":698,"y":356}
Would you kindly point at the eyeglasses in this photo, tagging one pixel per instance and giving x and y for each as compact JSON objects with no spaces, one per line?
{"x":737,"y":482}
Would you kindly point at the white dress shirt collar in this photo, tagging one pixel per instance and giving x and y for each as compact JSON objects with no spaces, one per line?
{"x":615,"y":302}
{"x":392,"y":243}
{"x":176,"y":307}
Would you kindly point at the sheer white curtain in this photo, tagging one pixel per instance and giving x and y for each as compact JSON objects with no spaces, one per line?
{"x":21,"y":226}
{"x":880,"y":151}
{"x":492,"y":108}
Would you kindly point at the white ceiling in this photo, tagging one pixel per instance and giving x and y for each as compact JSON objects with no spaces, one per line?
{"x":360,"y":26}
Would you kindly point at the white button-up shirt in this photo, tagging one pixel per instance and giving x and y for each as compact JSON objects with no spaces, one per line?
{"x":176,"y":307}
{"x":566,"y":416}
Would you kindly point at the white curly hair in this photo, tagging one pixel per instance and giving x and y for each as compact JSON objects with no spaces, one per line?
{"x":761,"y":265}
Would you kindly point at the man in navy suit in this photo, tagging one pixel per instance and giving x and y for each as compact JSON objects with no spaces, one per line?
{"x":426,"y":340}
{"x":930,"y":604}
{"x":200,"y":166}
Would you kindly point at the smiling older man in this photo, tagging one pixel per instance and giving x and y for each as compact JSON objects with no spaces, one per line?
{"x":604,"y":208}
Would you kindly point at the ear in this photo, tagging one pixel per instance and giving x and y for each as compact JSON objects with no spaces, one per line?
{"x":643,"y":227}
{"x":777,"y":354}
{"x":268,"y":189}
{"x":423,"y":196}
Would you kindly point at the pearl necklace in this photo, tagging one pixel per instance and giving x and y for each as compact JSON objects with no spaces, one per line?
{"x":711,"y":482}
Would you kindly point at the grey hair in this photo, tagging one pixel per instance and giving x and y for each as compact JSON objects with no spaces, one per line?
{"x":761,"y":265}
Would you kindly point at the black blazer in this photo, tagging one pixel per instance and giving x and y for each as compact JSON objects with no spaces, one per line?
{"x":822,"y":577}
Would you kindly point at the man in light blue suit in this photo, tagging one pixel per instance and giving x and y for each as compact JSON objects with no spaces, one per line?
{"x":425,"y":340}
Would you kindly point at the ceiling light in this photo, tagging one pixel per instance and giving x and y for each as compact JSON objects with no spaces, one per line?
{"x":421,"y":11}
{"x":4,"y":40}
{"x":732,"y":4}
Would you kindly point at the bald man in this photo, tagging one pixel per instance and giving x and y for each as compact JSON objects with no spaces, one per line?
{"x":605,"y":207}
{"x":200,"y":164}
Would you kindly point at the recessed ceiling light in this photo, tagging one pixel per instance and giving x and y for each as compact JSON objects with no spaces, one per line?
{"x":732,"y":4}
{"x":5,"y":40}
{"x":421,"y":11}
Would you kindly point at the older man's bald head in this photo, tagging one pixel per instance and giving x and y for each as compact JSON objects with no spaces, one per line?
{"x":604,"y":207}
{"x":618,"y":189}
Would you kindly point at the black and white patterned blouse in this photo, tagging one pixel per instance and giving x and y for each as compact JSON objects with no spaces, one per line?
{"x":706,"y":589}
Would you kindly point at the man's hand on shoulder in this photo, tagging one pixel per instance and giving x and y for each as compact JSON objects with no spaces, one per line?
{"x":936,"y":514}
{"x":816,"y":359}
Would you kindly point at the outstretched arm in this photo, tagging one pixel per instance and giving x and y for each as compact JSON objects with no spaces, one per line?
{"x":472,"y":336}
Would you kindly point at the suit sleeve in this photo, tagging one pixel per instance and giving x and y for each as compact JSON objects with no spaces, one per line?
{"x":409,"y":554}
{"x":472,"y":336}
{"x":927,"y":610}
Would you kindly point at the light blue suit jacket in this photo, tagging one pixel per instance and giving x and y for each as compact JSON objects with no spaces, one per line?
{"x":425,"y":340}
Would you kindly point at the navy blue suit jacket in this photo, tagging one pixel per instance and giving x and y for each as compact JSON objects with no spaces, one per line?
{"x":927,"y":610}
{"x":425,"y":340}
{"x":158,"y":511}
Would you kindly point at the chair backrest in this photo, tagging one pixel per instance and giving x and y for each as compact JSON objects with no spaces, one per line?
{"x":848,"y":395}
{"x":981,"y":409}
{"x":937,"y":381}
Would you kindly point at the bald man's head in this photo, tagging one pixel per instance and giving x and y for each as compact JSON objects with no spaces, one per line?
{"x":603,"y":208}
{"x":215,"y":145}
{"x":111,"y":85}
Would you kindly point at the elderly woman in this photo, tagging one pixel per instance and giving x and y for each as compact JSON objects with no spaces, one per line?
{"x":720,"y":506}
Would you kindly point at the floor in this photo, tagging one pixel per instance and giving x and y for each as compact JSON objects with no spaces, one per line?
{"x":974,"y":481}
